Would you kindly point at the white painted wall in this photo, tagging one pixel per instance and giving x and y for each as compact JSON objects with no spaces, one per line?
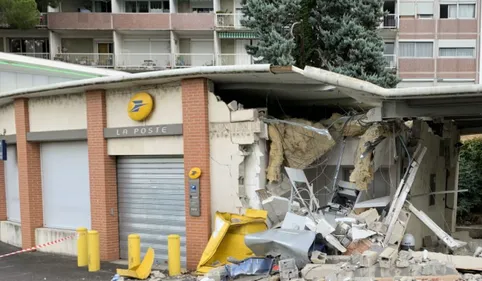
{"x":167,"y":110}
{"x":10,"y":81}
{"x":432,"y":163}
{"x":167,"y":106}
{"x":67,"y":247}
{"x":11,"y":233}
{"x":237,"y":151}
{"x":7,"y":119}
{"x":54,"y":113}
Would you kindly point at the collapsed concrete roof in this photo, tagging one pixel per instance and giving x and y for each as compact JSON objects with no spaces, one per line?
{"x":304,"y":86}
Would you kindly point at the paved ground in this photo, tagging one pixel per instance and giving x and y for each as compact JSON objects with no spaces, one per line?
{"x":38,"y":266}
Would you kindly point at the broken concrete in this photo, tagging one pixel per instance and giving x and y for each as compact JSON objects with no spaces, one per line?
{"x":277,"y":208}
{"x":368,"y":258}
{"x":388,"y":257}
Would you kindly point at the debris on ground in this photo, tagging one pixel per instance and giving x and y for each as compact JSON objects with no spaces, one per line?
{"x":354,"y":234}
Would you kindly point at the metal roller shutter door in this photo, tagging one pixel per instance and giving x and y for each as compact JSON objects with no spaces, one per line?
{"x":151,"y":203}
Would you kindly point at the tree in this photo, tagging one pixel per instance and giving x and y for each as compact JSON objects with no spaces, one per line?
{"x":20,"y":14}
{"x":272,"y":20}
{"x":341,"y":36}
{"x":470,"y":178}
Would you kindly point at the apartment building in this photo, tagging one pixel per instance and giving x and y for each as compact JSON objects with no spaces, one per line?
{"x":433,"y":42}
{"x":428,"y":42}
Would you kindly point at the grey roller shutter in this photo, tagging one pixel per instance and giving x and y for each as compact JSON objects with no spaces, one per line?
{"x":151,"y":203}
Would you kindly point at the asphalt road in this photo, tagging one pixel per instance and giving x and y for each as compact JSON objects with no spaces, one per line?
{"x":37,"y":266}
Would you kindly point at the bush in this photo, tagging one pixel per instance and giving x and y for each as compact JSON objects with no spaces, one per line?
{"x":470,"y":177}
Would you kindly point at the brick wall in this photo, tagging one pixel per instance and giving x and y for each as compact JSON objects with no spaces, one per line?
{"x":29,"y":176}
{"x":103,"y":182}
{"x":3,"y":199}
{"x":196,"y":154}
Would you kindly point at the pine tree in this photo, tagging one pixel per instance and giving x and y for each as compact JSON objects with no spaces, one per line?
{"x":341,"y":36}
{"x":20,"y":14}
{"x":271,"y":21}
{"x":348,"y":39}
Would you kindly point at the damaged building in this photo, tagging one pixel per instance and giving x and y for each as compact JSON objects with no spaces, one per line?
{"x":307,"y":151}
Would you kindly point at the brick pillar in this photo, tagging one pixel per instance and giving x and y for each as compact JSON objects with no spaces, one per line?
{"x":3,"y":195}
{"x":29,"y":176}
{"x":103,"y":182}
{"x":196,"y":154}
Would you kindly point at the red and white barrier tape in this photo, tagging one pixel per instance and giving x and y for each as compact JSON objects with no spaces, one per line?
{"x":39,"y":246}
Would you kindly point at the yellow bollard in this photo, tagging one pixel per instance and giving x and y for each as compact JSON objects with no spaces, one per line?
{"x":82,"y":257}
{"x":174,"y":254}
{"x":134,"y":250}
{"x":94,"y":253}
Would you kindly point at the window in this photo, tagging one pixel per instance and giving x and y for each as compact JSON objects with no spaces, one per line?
{"x":456,"y":52}
{"x":425,"y":16}
{"x":147,"y":6}
{"x":457,"y":11}
{"x":37,"y":47}
{"x":416,"y":49}
{"x":425,"y":10}
{"x":102,"y":7}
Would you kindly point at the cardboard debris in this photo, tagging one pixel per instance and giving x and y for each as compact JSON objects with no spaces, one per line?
{"x":363,"y":173}
{"x":295,"y":145}
{"x":275,"y":133}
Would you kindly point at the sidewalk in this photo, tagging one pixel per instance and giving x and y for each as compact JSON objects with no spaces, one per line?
{"x":37,"y":266}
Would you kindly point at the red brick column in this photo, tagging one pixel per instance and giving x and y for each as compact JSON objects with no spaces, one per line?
{"x":196,"y":154}
{"x":103,"y":182}
{"x":3,"y":195}
{"x":29,"y":176}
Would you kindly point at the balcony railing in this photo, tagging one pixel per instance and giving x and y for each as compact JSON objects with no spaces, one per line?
{"x":35,"y":55}
{"x":193,"y":59}
{"x":88,"y":59}
{"x":230,"y":21}
{"x":143,"y":61}
{"x":234,"y":59}
{"x":391,"y":61}
{"x":390,"y":21}
{"x":43,"y":20}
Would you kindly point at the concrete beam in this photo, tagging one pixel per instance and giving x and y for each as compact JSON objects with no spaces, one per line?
{"x":402,"y":109}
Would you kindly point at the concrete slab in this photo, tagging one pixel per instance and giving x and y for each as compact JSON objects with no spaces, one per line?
{"x":37,"y":266}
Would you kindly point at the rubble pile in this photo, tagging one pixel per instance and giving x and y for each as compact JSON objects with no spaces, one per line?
{"x":347,"y":238}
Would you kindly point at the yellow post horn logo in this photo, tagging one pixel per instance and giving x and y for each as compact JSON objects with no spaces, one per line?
{"x":140,"y":106}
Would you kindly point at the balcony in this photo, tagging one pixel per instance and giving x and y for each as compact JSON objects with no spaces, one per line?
{"x":45,"y":56}
{"x":391,"y":60}
{"x":192,"y":21}
{"x":193,"y":59}
{"x":229,"y":21}
{"x":84,"y":21}
{"x":234,"y":59}
{"x":144,"y":21}
{"x":87,"y":59}
{"x":390,"y":21}
{"x":143,"y":61}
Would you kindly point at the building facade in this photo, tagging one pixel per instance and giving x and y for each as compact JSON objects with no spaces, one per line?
{"x":113,"y":154}
{"x":428,"y":42}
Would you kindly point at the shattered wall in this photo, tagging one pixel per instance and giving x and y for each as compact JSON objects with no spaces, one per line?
{"x":433,"y":165}
{"x":295,"y":146}
{"x":386,"y":175}
{"x":238,"y":157}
